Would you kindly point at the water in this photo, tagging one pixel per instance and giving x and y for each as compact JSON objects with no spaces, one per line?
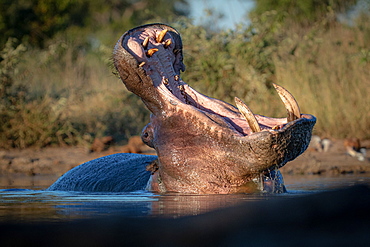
{"x":24,"y":199}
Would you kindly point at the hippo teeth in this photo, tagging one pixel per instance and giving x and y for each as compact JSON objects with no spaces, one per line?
{"x":167,"y":43}
{"x":150,"y":52}
{"x":161,"y":35}
{"x":145,"y":42}
{"x":290,"y":103}
{"x":248,"y":115}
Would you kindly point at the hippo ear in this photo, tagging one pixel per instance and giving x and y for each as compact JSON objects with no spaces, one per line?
{"x":290,"y":103}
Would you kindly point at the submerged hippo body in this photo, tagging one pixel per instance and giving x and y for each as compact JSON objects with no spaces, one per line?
{"x":112,"y":173}
{"x":204,"y":145}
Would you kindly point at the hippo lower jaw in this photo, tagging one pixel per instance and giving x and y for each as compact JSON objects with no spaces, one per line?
{"x":204,"y":145}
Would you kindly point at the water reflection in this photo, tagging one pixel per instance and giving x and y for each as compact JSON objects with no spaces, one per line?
{"x":320,"y":182}
{"x":20,"y":204}
{"x":32,"y":204}
{"x":176,"y":205}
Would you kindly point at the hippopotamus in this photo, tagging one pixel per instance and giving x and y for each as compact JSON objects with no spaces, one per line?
{"x":204,"y":145}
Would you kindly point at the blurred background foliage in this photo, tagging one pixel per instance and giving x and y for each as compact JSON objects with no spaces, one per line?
{"x":37,"y":21}
{"x":57,"y":85}
{"x":303,"y":12}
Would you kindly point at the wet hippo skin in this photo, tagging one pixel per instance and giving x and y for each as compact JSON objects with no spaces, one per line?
{"x":112,"y":173}
{"x":204,"y":145}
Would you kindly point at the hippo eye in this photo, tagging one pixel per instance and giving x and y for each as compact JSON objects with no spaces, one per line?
{"x":145,"y":135}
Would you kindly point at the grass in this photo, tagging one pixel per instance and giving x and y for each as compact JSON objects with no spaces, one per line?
{"x":69,"y":98}
{"x":326,"y":67}
{"x":66,"y":94}
{"x":330,"y":78}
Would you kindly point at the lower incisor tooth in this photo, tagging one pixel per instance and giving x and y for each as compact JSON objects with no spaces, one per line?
{"x":150,"y":52}
{"x":167,"y":43}
{"x":146,"y":42}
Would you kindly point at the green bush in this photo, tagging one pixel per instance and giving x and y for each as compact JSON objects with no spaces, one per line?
{"x":71,"y":96}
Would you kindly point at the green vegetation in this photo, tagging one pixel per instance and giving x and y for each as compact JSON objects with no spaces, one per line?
{"x":303,"y":12}
{"x":60,"y":90}
{"x":37,"y":21}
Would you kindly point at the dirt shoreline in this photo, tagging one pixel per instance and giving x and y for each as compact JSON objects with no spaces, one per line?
{"x":58,"y":160}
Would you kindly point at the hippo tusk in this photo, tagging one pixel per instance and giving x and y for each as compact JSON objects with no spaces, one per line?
{"x":161,"y":35}
{"x":248,"y":115}
{"x":150,"y":52}
{"x":145,"y":42}
{"x":167,"y":43}
{"x":290,"y":103}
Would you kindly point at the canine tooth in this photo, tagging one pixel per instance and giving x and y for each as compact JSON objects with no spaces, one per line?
{"x":290,"y":103}
{"x":165,"y":81}
{"x":161,"y":35}
{"x":248,"y":115}
{"x":146,"y":42}
{"x":150,"y":52}
{"x":141,"y":64}
{"x":167,"y":43}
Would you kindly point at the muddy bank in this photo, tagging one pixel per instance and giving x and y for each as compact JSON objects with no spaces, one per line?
{"x":336,"y":160}
{"x":58,"y":160}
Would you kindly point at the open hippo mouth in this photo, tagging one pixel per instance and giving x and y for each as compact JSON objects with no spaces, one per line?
{"x":204,"y":145}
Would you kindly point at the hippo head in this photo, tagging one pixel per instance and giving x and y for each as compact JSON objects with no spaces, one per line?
{"x":204,"y":145}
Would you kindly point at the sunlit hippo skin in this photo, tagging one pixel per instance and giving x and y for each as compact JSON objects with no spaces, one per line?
{"x":204,"y":145}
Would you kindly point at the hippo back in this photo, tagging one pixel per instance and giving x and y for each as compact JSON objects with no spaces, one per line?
{"x":112,"y":173}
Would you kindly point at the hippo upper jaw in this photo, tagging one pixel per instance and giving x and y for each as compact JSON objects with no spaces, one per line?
{"x":204,"y":145}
